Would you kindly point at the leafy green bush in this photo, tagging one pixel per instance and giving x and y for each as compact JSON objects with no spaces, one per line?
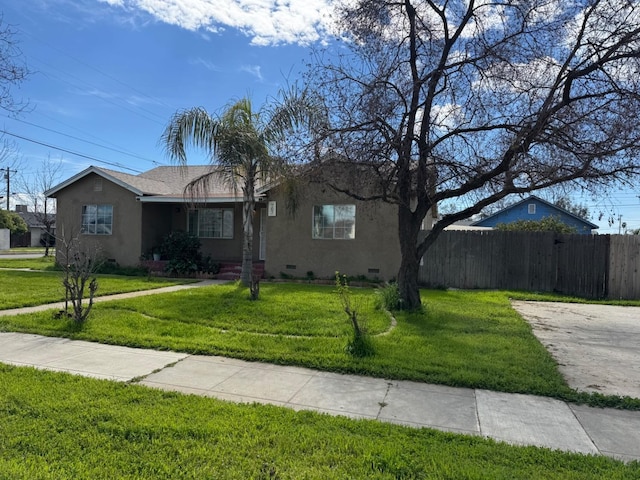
{"x":207,"y":265}
{"x":546,"y":224}
{"x":183,"y":253}
{"x":13,"y":222}
{"x":112,"y":268}
{"x":388,"y":297}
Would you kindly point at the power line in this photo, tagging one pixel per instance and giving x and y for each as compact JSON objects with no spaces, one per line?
{"x":159,"y":119}
{"x":83,"y":140}
{"x":82,"y":155}
{"x":88,"y":65}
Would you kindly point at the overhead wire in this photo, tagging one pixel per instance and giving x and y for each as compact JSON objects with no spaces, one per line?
{"x":78,"y":154}
{"x":133,"y":155}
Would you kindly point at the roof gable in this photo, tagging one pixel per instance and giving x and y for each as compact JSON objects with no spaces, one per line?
{"x":164,"y":181}
{"x":533,"y":199}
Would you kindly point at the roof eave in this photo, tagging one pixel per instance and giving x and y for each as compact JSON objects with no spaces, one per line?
{"x":52,"y":192}
{"x":183,"y":199}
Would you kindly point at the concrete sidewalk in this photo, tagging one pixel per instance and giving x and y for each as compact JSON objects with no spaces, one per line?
{"x":513,"y":418}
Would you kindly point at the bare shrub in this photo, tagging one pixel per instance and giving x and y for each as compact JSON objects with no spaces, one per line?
{"x":79,"y":263}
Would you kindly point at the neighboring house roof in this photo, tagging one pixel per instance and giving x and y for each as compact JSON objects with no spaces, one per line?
{"x":513,"y":213}
{"x":161,"y":184}
{"x":34,"y":220}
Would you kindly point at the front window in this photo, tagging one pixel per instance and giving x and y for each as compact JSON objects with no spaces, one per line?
{"x":211,"y":222}
{"x":335,"y":222}
{"x":97,"y":219}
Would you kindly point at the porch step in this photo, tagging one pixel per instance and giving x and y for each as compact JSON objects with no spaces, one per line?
{"x":232,"y":271}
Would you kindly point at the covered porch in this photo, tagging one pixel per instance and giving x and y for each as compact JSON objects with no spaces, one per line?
{"x":217,"y":225}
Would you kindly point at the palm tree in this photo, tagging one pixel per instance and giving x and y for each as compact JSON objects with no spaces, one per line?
{"x":240,"y":142}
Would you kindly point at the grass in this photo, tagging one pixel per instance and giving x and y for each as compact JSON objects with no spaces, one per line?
{"x":24,"y":250}
{"x":470,"y":339}
{"x":55,"y":425}
{"x":39,"y":263}
{"x":554,"y":297}
{"x":22,"y":289}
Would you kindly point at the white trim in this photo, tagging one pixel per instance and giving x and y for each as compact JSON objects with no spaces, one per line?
{"x":262,"y":251}
{"x":182,"y":199}
{"x":86,"y":172}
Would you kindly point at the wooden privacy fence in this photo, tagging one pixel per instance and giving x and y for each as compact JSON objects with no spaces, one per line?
{"x":591,"y":266}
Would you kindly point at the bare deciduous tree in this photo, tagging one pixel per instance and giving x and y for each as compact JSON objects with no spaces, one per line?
{"x":46,"y":176}
{"x":79,"y":263}
{"x":12,"y":68}
{"x":472,"y":101}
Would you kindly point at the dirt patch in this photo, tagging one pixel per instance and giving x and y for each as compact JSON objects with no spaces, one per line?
{"x":597,"y":347}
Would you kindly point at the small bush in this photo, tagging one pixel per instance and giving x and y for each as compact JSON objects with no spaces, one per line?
{"x":545,"y":224}
{"x":112,"y":268}
{"x":207,"y":265}
{"x":183,"y":253}
{"x":388,"y":297}
{"x":360,"y":344}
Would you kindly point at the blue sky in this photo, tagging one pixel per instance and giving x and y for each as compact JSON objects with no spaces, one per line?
{"x":108,"y":74}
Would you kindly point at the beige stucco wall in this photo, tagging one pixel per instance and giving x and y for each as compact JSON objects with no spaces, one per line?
{"x":374,"y":252}
{"x":124,"y":244}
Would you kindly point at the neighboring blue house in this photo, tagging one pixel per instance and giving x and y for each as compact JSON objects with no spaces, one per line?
{"x":534,"y":208}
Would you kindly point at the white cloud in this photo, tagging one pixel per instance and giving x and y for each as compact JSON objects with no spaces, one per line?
{"x":205,"y":63}
{"x":253,"y":70}
{"x":267,"y":22}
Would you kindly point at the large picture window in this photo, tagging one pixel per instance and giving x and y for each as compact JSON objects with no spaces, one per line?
{"x":97,"y":219}
{"x":335,"y":222}
{"x":211,"y":222}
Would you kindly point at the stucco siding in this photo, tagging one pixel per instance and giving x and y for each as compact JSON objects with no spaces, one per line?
{"x":290,"y":248}
{"x":124,"y":244}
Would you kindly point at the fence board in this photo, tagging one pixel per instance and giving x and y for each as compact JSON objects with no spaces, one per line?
{"x":592,"y":266}
{"x":624,"y":267}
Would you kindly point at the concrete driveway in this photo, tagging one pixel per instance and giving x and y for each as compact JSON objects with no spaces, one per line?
{"x":597,"y":347}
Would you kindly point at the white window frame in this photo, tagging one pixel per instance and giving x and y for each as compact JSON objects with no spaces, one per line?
{"x":202,"y":230}
{"x":531,"y":209}
{"x":325,"y":225}
{"x":97,"y":219}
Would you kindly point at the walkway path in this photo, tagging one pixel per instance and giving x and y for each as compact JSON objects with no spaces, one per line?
{"x":513,"y":418}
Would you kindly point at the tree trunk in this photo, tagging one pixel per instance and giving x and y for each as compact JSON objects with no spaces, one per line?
{"x":409,"y":263}
{"x":248,"y":206}
{"x":408,"y":282}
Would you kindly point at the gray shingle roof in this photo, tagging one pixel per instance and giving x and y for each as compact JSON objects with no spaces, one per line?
{"x":165,"y":181}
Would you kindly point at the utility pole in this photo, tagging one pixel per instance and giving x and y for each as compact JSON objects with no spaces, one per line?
{"x":7,"y":177}
{"x":619,"y":224}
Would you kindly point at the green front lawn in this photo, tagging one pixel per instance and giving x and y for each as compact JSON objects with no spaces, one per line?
{"x":471,"y":339}
{"x":23,"y":289}
{"x":39,"y":263}
{"x":55,"y":426}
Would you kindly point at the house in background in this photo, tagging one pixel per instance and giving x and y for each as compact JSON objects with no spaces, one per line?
{"x":37,"y":234}
{"x":320,"y":232}
{"x":535,"y":208}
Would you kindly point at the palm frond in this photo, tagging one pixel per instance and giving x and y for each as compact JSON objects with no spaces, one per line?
{"x":194,"y":127}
